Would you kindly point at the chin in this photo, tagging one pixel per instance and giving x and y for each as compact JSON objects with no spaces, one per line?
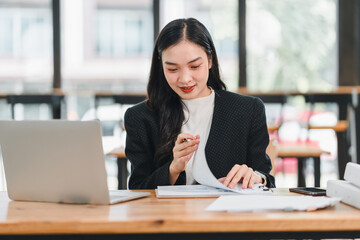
{"x":187,"y":96}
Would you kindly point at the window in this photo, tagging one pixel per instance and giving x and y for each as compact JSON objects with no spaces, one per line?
{"x":25,"y":46}
{"x":221,"y":19}
{"x":122,"y":33}
{"x":291,"y":45}
{"x":107,"y":45}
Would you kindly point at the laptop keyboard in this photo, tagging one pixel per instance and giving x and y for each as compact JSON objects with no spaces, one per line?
{"x":116,"y":196}
{"x":124,"y":195}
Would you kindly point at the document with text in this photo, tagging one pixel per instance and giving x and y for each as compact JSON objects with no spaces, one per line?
{"x":209,"y":184}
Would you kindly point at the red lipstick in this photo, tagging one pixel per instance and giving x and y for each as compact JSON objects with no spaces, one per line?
{"x":187,"y":89}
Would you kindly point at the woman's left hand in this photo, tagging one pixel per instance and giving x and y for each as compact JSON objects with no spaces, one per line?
{"x":243,"y":174}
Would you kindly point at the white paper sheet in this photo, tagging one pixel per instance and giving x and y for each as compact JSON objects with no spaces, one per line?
{"x":248,"y":203}
{"x":203,"y":175}
{"x":190,"y":191}
{"x":201,"y":171}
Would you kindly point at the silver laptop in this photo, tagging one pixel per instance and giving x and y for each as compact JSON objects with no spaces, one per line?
{"x":57,"y":161}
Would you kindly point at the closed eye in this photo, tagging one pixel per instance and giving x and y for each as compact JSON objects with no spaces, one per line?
{"x":172,"y":69}
{"x":195,"y":67}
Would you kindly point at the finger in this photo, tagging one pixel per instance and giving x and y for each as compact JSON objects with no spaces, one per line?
{"x":252,"y":180}
{"x":188,"y":150}
{"x":183,"y":136}
{"x":221,"y":179}
{"x":246,"y":179}
{"x":183,"y":160}
{"x":183,"y":145}
{"x":180,"y":163}
{"x":231,"y":174}
{"x":188,"y":157}
{"x":180,"y":147}
{"x":188,"y":143}
{"x":185,"y":152}
{"x":239,"y":176}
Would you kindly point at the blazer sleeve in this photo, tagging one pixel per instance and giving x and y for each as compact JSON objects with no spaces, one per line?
{"x":140,"y":150}
{"x":258,"y":141}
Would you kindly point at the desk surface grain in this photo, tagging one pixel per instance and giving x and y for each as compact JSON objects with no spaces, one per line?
{"x":152,"y":215}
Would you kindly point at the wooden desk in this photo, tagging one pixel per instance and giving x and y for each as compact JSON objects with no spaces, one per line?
{"x":152,"y":218}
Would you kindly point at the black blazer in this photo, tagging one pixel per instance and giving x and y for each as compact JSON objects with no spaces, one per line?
{"x":238,"y":135}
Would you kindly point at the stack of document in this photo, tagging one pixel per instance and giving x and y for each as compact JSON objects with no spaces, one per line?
{"x":249,"y":203}
{"x":209,"y":185}
{"x":349,"y":189}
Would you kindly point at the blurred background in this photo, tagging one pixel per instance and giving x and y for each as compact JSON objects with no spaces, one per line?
{"x":88,"y":53}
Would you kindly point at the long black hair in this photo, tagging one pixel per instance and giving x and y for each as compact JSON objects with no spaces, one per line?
{"x":161,"y":98}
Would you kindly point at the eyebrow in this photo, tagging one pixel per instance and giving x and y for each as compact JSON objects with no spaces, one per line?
{"x":194,"y":60}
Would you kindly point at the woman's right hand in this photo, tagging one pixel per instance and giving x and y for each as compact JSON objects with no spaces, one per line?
{"x":182,"y":153}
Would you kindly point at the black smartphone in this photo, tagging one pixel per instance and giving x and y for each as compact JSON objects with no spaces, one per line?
{"x":309,"y":191}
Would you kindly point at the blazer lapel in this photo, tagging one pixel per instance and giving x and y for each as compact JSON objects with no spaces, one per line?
{"x":217,"y":120}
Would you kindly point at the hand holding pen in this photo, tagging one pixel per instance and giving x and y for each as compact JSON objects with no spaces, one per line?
{"x":185,"y":146}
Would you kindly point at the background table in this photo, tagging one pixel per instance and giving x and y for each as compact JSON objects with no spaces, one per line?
{"x":345,"y":97}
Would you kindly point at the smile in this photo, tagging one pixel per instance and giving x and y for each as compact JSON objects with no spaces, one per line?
{"x":187,"y":89}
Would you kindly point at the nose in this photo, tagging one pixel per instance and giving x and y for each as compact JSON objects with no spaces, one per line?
{"x":185,"y":77}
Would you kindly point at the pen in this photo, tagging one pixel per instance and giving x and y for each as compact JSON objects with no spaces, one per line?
{"x":186,"y":139}
{"x":264,"y":188}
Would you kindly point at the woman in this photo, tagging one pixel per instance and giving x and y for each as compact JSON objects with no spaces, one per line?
{"x":188,"y":103}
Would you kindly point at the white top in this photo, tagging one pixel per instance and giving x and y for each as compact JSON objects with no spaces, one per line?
{"x":198,"y":117}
